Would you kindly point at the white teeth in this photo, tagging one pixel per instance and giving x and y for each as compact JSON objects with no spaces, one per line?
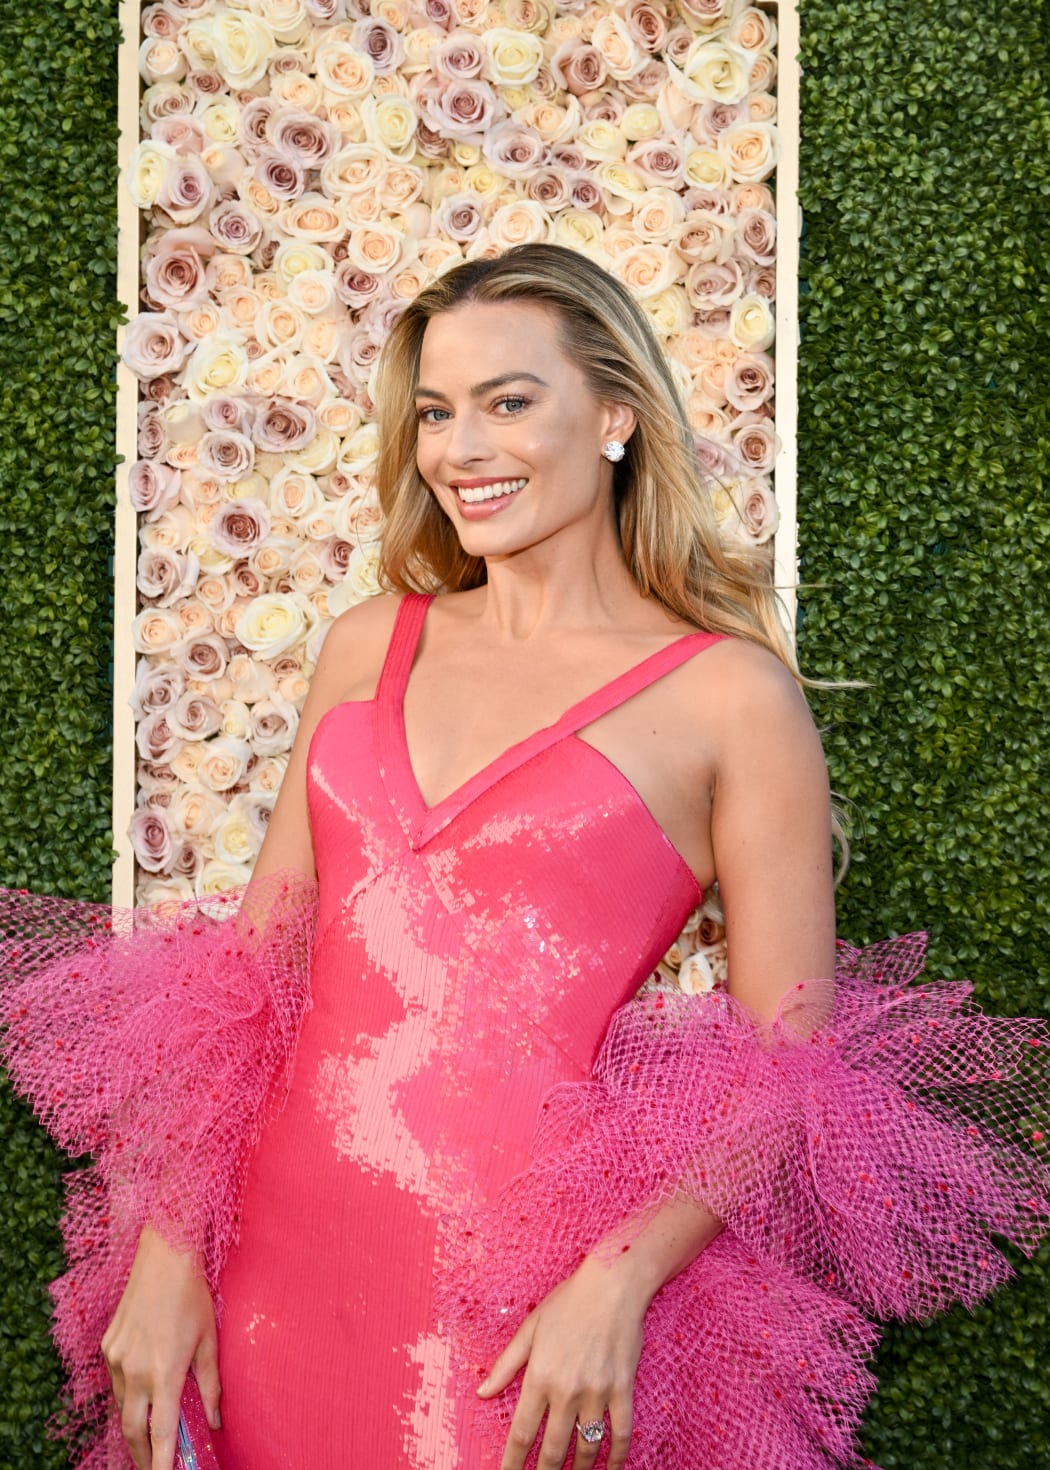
{"x":489,"y":492}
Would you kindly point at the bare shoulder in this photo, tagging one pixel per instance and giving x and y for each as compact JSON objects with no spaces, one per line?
{"x":354,"y":648}
{"x":748,"y":697}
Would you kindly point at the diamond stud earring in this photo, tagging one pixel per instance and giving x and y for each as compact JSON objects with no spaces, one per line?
{"x":613,"y":450}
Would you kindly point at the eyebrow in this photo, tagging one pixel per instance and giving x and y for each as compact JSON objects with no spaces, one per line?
{"x":480,"y":389}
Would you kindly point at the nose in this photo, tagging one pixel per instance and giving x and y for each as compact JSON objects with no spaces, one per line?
{"x":467,"y":442}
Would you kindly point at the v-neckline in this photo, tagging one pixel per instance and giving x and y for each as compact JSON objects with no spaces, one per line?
{"x":421,"y":821}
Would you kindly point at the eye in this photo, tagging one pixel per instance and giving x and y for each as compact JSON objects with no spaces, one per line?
{"x":424,"y":414}
{"x":513,"y":403}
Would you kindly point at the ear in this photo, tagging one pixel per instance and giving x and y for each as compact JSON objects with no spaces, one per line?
{"x":620,"y":421}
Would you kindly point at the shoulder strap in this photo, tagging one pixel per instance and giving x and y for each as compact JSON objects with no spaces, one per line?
{"x":622,"y":688}
{"x":401,"y":650}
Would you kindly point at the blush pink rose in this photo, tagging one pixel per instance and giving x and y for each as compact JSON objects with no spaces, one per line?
{"x":647,"y":83}
{"x":283,"y":424}
{"x":184,"y":134}
{"x":324,"y":11}
{"x":283,"y":175}
{"x":195,"y":717}
{"x":551,"y":187}
{"x":202,"y":656}
{"x":712,"y":285}
{"x":152,"y":435}
{"x":334,"y":556}
{"x":153,"y":345}
{"x":756,"y":235}
{"x":176,"y":277}
{"x":246,"y":581}
{"x":460,"y":217}
{"x":379,"y":41}
{"x":185,"y":190}
{"x":514,"y":150}
{"x":355,"y":287}
{"x":749,"y":381}
{"x":226,"y":454}
{"x":153,"y":487}
{"x":157,"y":687}
{"x":658,"y":161}
{"x":161,"y":22}
{"x":762,"y":281}
{"x":152,"y":839}
{"x":458,"y":58}
{"x":755,"y":441}
{"x":466,"y":109}
{"x":586,"y":194}
{"x":239,"y":526}
{"x":222,"y":411}
{"x":236,"y":227}
{"x":206,"y":83}
{"x":253,"y":125}
{"x":647,"y":23}
{"x":305,"y":138}
{"x":579,"y":66}
{"x":163,"y":576}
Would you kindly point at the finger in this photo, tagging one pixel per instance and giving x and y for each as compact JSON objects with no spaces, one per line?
{"x":134,"y":1426}
{"x":164,"y":1427}
{"x":510,"y":1361}
{"x":524,"y":1427}
{"x":206,"y":1372}
{"x":621,"y":1419}
{"x":557,"y":1440}
{"x":587,"y":1451}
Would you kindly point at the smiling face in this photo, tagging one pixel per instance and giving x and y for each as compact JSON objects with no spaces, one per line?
{"x":510,"y":435}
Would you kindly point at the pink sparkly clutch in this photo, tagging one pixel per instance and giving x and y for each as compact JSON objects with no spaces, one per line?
{"x":196,"y":1446}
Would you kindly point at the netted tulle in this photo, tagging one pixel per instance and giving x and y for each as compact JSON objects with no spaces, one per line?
{"x":863,"y":1151}
{"x":159,"y":1042}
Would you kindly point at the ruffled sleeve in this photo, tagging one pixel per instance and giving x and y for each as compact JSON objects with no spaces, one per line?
{"x":159,"y":1043}
{"x":868,"y":1153}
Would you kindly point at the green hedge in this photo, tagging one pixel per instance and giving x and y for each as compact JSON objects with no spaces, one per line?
{"x":57,"y":314}
{"x":925,"y":403}
{"x":925,"y":439}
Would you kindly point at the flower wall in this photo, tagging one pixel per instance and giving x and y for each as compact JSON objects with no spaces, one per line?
{"x":306,"y":167}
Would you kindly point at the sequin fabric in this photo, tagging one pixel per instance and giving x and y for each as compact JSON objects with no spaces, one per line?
{"x":469,"y":957}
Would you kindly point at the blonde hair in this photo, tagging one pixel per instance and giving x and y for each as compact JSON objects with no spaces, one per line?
{"x":666,"y":522}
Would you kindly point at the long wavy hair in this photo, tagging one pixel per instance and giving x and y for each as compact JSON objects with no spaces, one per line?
{"x":664,"y":515}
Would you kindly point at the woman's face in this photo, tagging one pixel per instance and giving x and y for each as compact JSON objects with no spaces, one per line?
{"x":510,"y":435}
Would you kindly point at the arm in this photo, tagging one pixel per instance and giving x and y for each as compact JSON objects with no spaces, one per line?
{"x":771,"y":839}
{"x":165,"y":1321}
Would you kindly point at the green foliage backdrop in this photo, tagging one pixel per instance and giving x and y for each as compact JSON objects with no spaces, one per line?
{"x":925,"y":431}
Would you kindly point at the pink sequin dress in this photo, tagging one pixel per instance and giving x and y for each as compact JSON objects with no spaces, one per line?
{"x":480,"y":1094}
{"x":469,"y":957}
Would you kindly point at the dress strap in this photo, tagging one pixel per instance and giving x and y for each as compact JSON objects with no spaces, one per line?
{"x":622,"y":688}
{"x":401,"y":650}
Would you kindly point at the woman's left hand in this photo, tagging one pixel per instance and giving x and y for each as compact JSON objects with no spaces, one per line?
{"x":580,"y":1349}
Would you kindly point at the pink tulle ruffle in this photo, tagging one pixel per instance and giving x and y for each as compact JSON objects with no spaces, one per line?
{"x":159,"y":1043}
{"x":864,"y":1153}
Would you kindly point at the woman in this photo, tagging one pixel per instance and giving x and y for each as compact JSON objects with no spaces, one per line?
{"x":512,"y":795}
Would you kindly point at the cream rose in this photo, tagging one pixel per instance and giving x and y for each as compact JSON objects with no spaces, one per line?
{"x":252,"y":679}
{"x":219,"y":364}
{"x":712,"y":70}
{"x":361,"y":580}
{"x":156,"y":630}
{"x":751,"y":323}
{"x":343,"y":70}
{"x":512,"y":57}
{"x":243,"y":45}
{"x":390,"y":124}
{"x":274,"y":623}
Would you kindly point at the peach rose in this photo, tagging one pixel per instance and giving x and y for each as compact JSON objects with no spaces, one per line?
{"x":755,"y":443}
{"x":618,"y":48}
{"x":156,"y":630}
{"x":522,"y":223}
{"x":252,"y":679}
{"x":223,"y":763}
{"x":750,"y":151}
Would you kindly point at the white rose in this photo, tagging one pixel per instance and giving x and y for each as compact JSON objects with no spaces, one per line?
{"x":300,"y":257}
{"x":273,"y":623}
{"x":243,"y":46}
{"x":751,"y":323}
{"x":361,"y":580}
{"x":217,"y":877}
{"x":360,"y":451}
{"x":319,"y":456}
{"x":390,"y":124}
{"x":234,"y":839}
{"x":513,"y":57}
{"x":145,"y":172}
{"x":218,"y":364}
{"x":713,"y":71}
